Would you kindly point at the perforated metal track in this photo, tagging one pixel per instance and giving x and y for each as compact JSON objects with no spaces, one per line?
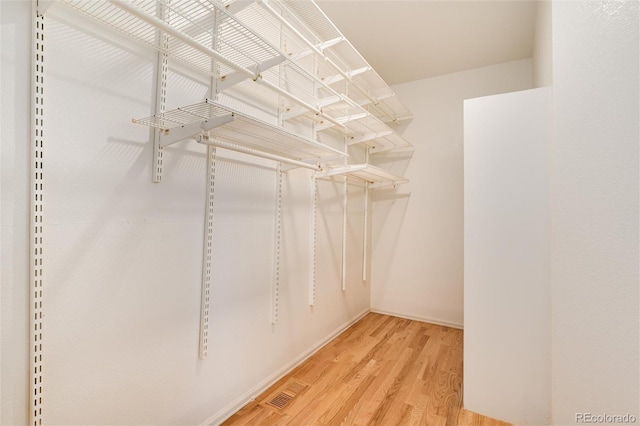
{"x":37,"y":179}
{"x":208,"y":253}
{"x":314,"y":236}
{"x":161,"y":91}
{"x":275,"y":289}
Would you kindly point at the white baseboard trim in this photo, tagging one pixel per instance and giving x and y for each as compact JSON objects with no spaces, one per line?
{"x":421,"y":319}
{"x":249,"y":396}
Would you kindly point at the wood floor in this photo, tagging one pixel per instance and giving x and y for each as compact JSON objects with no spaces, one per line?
{"x":382,"y":371}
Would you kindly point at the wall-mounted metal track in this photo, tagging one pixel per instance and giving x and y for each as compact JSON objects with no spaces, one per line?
{"x":207,"y":268}
{"x":345,"y":218}
{"x":365,"y":236}
{"x":162,"y":71}
{"x":275,"y":284}
{"x":207,"y":254}
{"x":314,"y":241}
{"x":37,"y":219}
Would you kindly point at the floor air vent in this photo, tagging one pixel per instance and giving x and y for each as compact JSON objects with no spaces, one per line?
{"x":285,"y":396}
{"x":280,"y":401}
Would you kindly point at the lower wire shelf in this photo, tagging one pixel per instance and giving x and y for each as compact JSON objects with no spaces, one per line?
{"x":374,"y":176}
{"x":214,"y":124}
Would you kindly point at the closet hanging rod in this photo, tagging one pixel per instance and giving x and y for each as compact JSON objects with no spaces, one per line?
{"x":255,"y":153}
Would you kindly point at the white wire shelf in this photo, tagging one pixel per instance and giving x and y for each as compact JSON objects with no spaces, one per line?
{"x":374,"y":176}
{"x":215,"y":124}
{"x":189,"y":26}
{"x":360,"y":127}
{"x":309,"y":22}
{"x":233,"y":41}
{"x":230,"y":41}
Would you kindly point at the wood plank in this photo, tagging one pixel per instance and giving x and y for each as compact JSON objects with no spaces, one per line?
{"x":381,"y":371}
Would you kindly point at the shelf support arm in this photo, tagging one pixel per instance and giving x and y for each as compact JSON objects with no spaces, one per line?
{"x":171,"y":136}
{"x":237,"y":77}
{"x":369,"y":137}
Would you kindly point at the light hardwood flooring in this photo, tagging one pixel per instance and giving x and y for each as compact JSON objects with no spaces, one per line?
{"x":381,"y":371}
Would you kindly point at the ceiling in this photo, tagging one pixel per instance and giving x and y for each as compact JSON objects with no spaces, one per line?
{"x":413,"y":40}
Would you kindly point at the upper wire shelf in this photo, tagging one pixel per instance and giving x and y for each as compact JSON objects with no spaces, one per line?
{"x":189,"y":27}
{"x":213,"y":37}
{"x":234,"y":42}
{"x":307,"y":20}
{"x":215,"y":124}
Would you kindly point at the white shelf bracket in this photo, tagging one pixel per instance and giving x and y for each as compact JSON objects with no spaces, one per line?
{"x":330,"y":100}
{"x":44,"y":5}
{"x":358,"y":71}
{"x":333,"y":79}
{"x":237,"y":77}
{"x":169,"y":137}
{"x":369,"y":137}
{"x":237,"y":6}
{"x":293,"y":112}
{"x":320,"y":47}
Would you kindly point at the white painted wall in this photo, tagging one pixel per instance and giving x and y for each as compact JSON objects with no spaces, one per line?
{"x":15,"y":88}
{"x":595,"y":267}
{"x":123,"y":256}
{"x":507,"y":256}
{"x":542,"y":46}
{"x":417,"y":245}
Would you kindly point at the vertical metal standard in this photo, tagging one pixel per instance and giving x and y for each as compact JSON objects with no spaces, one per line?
{"x":314,"y":235}
{"x":344,"y":233}
{"x":314,"y":208}
{"x":36,"y":204}
{"x":275,"y":284}
{"x":277,"y":237}
{"x":161,"y":91}
{"x":205,"y":297}
{"x":365,"y":237}
{"x":365,"y":242}
{"x":344,"y":209}
{"x":207,"y":255}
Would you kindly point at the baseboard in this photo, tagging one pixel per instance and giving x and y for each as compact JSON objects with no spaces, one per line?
{"x":421,"y":319}
{"x":249,"y":396}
